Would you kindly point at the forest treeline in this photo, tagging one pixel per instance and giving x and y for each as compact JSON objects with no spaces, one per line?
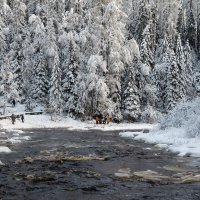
{"x":133,"y":59}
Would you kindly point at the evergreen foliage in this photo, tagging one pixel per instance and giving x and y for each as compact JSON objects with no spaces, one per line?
{"x":191,"y":29}
{"x":131,"y":98}
{"x":130,"y":59}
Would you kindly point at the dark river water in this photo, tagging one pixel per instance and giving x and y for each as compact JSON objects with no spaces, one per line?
{"x":58,"y":164}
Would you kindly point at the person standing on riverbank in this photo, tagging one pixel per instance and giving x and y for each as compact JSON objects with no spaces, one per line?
{"x":22,"y":118}
{"x":13,"y":118}
{"x":100,"y":118}
{"x":108,"y":119}
{"x":97,"y":119}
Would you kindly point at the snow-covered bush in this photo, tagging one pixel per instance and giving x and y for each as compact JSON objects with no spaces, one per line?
{"x":186,"y":115}
{"x":197,"y":81}
{"x":194,"y":129}
{"x":145,"y":70}
{"x":150,"y":115}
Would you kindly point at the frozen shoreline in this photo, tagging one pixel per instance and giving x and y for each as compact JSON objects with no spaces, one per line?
{"x":15,"y":133}
{"x":179,"y":131}
{"x":173,"y":139}
{"x":44,"y":121}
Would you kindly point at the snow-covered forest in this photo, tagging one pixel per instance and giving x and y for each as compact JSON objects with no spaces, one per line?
{"x":133,"y":59}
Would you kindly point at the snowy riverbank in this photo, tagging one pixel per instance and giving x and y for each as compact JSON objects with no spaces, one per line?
{"x":173,"y":139}
{"x":44,"y":121}
{"x":178,"y":132}
{"x":13,"y":133}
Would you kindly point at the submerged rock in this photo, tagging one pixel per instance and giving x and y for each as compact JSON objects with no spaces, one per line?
{"x":124,"y":173}
{"x":2,"y":164}
{"x":151,"y":175}
{"x":30,"y":177}
{"x":174,"y":168}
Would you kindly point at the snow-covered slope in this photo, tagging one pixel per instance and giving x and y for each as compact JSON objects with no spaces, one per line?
{"x":179,"y":131}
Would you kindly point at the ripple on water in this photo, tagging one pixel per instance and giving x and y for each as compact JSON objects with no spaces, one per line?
{"x":14,"y":131}
{"x":15,"y":140}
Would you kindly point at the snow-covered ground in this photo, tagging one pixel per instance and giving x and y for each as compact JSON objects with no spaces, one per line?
{"x":44,"y":121}
{"x":178,"y":132}
{"x":172,"y":139}
{"x":4,"y":150}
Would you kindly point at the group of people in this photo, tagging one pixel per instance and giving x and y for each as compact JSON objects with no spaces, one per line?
{"x":13,"y":118}
{"x":100,"y":119}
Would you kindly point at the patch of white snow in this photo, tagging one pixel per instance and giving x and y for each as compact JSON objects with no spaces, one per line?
{"x":4,"y":149}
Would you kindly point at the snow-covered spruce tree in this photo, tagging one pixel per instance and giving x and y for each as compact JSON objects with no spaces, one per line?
{"x":181,"y":76}
{"x":70,"y":73}
{"x":71,"y":56}
{"x":162,"y":7}
{"x":40,"y":84}
{"x":63,"y":55}
{"x":31,"y":7}
{"x":5,"y":13}
{"x":197,"y":83}
{"x":86,"y":29}
{"x":148,"y":99}
{"x":19,"y":13}
{"x":160,"y":73}
{"x":3,"y":46}
{"x":4,"y":84}
{"x":139,"y":19}
{"x":133,"y":19}
{"x":131,"y":100}
{"x":181,"y":23}
{"x":161,"y":49}
{"x":94,"y":97}
{"x":77,"y":5}
{"x":82,"y":98}
{"x":56,"y":8}
{"x":148,"y":89}
{"x":37,"y":32}
{"x":173,"y":95}
{"x":55,"y":92}
{"x":28,"y":73}
{"x":17,"y":34}
{"x":143,"y":13}
{"x":8,"y":86}
{"x":146,"y":52}
{"x":130,"y":87}
{"x":2,"y":37}
{"x":16,"y":62}
{"x":72,"y":21}
{"x":37,"y":62}
{"x":153,"y":27}
{"x":188,"y":71}
{"x":167,"y":20}
{"x":114,"y":29}
{"x":198,"y":30}
{"x":191,"y":30}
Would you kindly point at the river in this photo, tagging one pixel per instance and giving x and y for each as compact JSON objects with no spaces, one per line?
{"x":59,"y":164}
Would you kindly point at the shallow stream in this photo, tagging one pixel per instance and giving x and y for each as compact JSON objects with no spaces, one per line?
{"x":58,"y":164}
